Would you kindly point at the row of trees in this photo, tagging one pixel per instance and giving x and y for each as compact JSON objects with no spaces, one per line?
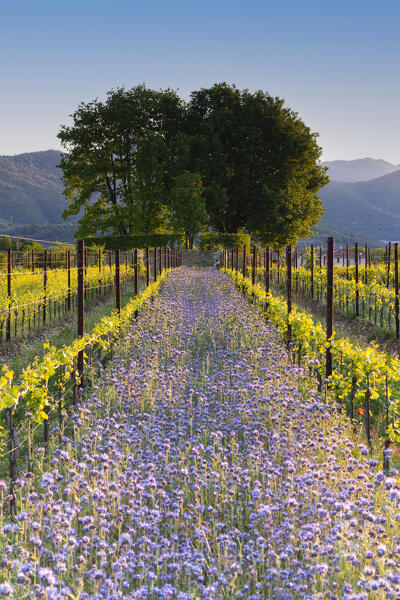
{"x":145,"y":161}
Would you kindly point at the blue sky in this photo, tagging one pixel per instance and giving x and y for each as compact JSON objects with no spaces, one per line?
{"x":335,"y":63}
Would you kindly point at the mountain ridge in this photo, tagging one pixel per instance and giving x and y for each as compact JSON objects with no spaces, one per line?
{"x":359,"y":169}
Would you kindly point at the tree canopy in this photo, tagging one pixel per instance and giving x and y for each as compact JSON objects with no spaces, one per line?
{"x":145,"y":161}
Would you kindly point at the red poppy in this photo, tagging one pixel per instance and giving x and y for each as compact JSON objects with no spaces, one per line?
{"x":360,"y":411}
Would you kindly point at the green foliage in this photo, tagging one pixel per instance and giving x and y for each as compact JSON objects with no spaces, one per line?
{"x":187,"y":204}
{"x":144,"y":161}
{"x":5,"y":243}
{"x":136,"y":240}
{"x":116,"y":161}
{"x":211,"y":239}
{"x":259,"y":163}
{"x":307,"y":258}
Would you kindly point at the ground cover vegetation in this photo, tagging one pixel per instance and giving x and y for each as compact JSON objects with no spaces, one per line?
{"x":365,"y":378}
{"x":205,"y":464}
{"x":44,"y":386}
{"x":145,"y":161}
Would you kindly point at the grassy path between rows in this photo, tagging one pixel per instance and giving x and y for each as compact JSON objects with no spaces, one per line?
{"x":203,"y":465}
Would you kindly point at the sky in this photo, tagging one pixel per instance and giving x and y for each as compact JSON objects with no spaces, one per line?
{"x":335,"y":63}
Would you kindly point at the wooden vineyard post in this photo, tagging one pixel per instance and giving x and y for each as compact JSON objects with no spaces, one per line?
{"x":110,"y":259}
{"x":33,"y":261}
{"x":312,"y":270}
{"x":147,"y":266}
{"x":99,"y":261}
{"x":13,"y":458}
{"x":118,"y":281}
{"x":320,"y":258}
{"x":347,"y":262}
{"x":396,"y":287}
{"x":253,"y":266}
{"x":279,"y":263}
{"x":155,"y":263}
{"x":9,"y":275}
{"x":367,"y":418}
{"x":356,"y":279}
{"x":388,"y":258}
{"x":160,"y":260}
{"x":386,"y":461}
{"x":69,"y":279}
{"x":44,"y":285}
{"x":135,"y":273}
{"x":289,"y":293}
{"x":329,"y":307}
{"x":80,"y":256}
{"x":366,"y":265}
{"x":267,"y":271}
{"x":237,"y":259}
{"x":244,"y":262}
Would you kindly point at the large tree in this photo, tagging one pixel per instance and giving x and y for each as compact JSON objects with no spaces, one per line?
{"x":258,"y":161}
{"x":129,"y":160}
{"x":115,"y":168}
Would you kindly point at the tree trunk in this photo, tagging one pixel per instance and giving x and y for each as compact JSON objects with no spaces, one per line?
{"x":191,"y":240}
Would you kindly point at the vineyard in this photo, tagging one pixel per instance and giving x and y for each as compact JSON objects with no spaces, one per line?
{"x":37,"y":289}
{"x":360,"y":376}
{"x":210,"y":439}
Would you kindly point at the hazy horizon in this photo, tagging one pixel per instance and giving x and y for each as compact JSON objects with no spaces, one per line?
{"x":323,"y":159}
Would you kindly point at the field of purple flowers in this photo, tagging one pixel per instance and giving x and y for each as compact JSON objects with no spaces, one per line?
{"x":203,"y":466}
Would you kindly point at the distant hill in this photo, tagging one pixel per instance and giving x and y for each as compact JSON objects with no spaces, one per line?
{"x":32,"y":203}
{"x":31,"y":188}
{"x":361,"y":169}
{"x":342,"y":235}
{"x":368,"y":207}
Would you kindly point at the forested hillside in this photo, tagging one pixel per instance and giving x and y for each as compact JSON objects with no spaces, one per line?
{"x":31,"y":188}
{"x":368,"y":207}
{"x":31,"y":202}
